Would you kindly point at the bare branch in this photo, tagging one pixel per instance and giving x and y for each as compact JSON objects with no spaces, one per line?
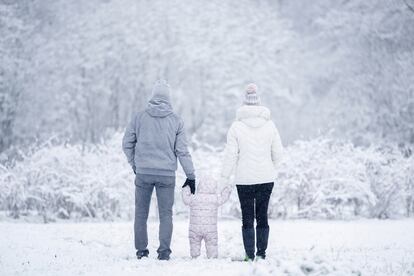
{"x":409,"y":6}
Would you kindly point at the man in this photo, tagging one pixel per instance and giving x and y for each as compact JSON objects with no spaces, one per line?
{"x":152,"y":142}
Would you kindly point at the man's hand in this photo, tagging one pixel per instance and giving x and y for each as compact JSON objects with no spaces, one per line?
{"x":191,"y":183}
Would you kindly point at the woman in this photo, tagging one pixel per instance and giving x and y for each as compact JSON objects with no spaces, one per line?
{"x":254,"y":149}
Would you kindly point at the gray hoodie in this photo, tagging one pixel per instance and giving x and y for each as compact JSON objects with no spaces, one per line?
{"x":155,"y":138}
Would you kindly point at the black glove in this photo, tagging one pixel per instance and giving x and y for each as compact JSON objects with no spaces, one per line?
{"x":133,"y":168}
{"x":191,"y":183}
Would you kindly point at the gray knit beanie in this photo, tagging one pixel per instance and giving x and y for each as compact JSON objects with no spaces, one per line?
{"x":161,"y":91}
{"x":251,"y":97}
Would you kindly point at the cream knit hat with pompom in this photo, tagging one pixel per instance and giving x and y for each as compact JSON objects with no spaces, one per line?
{"x":251,"y":97}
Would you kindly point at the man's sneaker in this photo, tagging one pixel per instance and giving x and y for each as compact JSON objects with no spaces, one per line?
{"x":142,"y":254}
{"x":164,"y":256}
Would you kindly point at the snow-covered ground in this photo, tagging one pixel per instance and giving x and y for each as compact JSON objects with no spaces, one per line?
{"x":362,"y":247}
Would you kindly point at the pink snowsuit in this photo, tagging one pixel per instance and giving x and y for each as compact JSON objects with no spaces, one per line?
{"x":203,"y":215}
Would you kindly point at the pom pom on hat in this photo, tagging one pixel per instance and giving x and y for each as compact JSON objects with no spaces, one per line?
{"x":251,"y":88}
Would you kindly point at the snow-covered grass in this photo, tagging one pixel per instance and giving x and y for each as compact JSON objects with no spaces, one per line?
{"x":301,"y":247}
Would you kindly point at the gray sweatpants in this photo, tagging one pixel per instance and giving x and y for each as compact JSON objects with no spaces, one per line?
{"x":164,"y":187}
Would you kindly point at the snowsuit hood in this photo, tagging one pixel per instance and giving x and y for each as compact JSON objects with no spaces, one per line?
{"x":253,"y":116}
{"x":206,"y":186}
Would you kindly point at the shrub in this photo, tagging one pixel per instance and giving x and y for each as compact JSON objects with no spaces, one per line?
{"x":320,"y":178}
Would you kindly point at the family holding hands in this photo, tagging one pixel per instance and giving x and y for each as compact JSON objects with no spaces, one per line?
{"x":153,"y":141}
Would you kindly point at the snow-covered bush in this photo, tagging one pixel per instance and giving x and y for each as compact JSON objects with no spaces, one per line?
{"x":330,"y":179}
{"x":69,"y":181}
{"x":321,"y":178}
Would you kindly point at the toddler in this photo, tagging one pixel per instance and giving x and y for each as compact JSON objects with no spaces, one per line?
{"x":203,"y":215}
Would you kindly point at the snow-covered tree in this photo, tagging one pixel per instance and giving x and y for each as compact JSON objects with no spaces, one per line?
{"x":13,"y":62}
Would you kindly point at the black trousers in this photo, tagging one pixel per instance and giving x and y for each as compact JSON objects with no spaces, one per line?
{"x":254,"y":202}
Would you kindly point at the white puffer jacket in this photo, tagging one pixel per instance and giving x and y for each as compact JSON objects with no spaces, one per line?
{"x":253,"y":148}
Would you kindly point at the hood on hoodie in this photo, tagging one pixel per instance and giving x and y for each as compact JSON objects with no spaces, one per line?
{"x":253,"y":116}
{"x":159,"y":104}
{"x":159,"y":108}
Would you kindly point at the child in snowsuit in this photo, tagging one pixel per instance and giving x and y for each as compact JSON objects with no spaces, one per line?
{"x":203,"y":215}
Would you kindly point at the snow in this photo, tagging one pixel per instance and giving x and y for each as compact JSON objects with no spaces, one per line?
{"x":297,"y":247}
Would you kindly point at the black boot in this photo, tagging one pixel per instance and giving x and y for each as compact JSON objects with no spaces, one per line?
{"x":164,"y":255}
{"x":248,"y":241}
{"x":262,"y":235}
{"x":142,"y":253}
